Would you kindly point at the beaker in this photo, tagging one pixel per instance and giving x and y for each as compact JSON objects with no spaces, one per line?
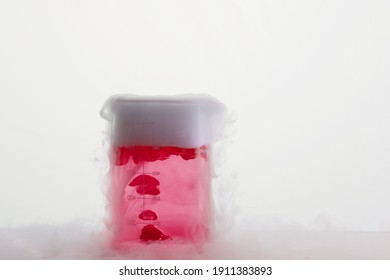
{"x":160,"y":166}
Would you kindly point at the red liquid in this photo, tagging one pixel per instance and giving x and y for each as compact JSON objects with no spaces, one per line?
{"x":147,"y":215}
{"x":146,"y":185}
{"x":160,"y":194}
{"x":151,"y":233}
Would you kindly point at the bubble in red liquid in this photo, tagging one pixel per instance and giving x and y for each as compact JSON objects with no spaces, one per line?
{"x":150,"y":154}
{"x":148,"y":215}
{"x":151,"y":233}
{"x":203,"y":152}
{"x":146,"y":184}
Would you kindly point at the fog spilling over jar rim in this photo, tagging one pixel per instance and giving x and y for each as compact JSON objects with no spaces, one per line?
{"x":188,"y":120}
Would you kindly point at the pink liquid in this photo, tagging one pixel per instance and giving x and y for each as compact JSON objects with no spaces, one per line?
{"x":159,"y":194}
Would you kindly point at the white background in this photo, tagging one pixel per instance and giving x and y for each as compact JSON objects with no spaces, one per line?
{"x":308,"y":82}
